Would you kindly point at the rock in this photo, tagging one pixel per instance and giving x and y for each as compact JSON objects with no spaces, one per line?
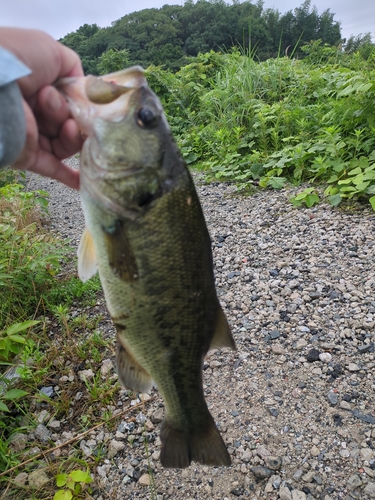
{"x":261,"y":472}
{"x":313,"y":355}
{"x":325,"y":357}
{"x":37,"y":479}
{"x":275,"y":334}
{"x":21,"y":479}
{"x":353,"y":367}
{"x":366,"y":454}
{"x":47,"y":391}
{"x":106,"y":367}
{"x":364,"y":417}
{"x":18,"y":442}
{"x":42,"y":433}
{"x":262,"y":452}
{"x":314,"y":452}
{"x":363,"y":349}
{"x":298,"y":495}
{"x":345,"y":405}
{"x":354,"y":482}
{"x":114,"y":448}
{"x":369,"y":490}
{"x":246,"y":456}
{"x":144,"y":480}
{"x":157,"y":416}
{"x":274,"y":463}
{"x":332,"y":398}
{"x":54,"y":425}
{"x":285,"y":493}
{"x":86,"y":374}
{"x":277,"y":349}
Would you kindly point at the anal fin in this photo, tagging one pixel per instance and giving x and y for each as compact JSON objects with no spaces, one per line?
{"x":87,"y":266}
{"x":131,"y":374}
{"x":223,"y":336}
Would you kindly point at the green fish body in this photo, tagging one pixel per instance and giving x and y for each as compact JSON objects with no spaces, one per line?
{"x":146,"y":234}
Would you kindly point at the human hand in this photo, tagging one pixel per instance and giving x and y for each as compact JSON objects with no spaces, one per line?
{"x":51,"y":133}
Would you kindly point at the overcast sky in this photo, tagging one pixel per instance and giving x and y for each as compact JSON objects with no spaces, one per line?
{"x":59,"y":17}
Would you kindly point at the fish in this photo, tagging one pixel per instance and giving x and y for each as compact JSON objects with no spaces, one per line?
{"x":146,"y":235}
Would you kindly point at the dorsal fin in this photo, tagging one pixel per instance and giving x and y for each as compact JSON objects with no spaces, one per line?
{"x":87,"y":265}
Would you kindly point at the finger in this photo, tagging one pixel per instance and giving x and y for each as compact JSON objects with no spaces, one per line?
{"x":48,"y":59}
{"x":69,"y":141}
{"x":52,"y":111}
{"x":49,"y":166}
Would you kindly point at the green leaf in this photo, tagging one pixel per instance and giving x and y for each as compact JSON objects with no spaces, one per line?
{"x":372,"y":201}
{"x":61,"y":480}
{"x":3,"y":407}
{"x":19,"y":327}
{"x":80,"y":476}
{"x":63,"y":495}
{"x":311,"y":199}
{"x":17,"y":338}
{"x":14,"y":394}
{"x":335,"y":199}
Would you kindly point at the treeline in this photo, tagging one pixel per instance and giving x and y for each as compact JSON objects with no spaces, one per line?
{"x":169,"y":36}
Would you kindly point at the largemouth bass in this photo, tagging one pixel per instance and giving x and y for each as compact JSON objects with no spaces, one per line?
{"x":146,"y":234}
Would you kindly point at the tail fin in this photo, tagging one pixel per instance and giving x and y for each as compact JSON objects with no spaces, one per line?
{"x":204,"y":445}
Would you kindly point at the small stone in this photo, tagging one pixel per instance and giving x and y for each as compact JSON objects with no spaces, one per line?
{"x":262,"y":452}
{"x":86,"y":374}
{"x":21,"y":479}
{"x":277,"y":349}
{"x":332,"y":398}
{"x":364,"y":417}
{"x":246,"y":456}
{"x":285,"y":493}
{"x":157,"y":416}
{"x":273,"y":462}
{"x":362,"y":349}
{"x":275,"y":334}
{"x":345,"y":405}
{"x":114,"y":448}
{"x":314,"y":452}
{"x":144,"y":480}
{"x":315,"y":295}
{"x":54,"y":425}
{"x":274,"y":412}
{"x":37,"y":479}
{"x":370,"y":490}
{"x":325,"y":357}
{"x":366,"y":454}
{"x":47,"y":391}
{"x":353,"y":367}
{"x":42,"y":433}
{"x":354,"y":482}
{"x":298,"y":495}
{"x":312,"y":355}
{"x":18,"y":442}
{"x":106,"y":367}
{"x":261,"y":472}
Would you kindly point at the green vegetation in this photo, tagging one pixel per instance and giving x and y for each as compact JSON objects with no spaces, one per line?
{"x":171,"y":35}
{"x":277,"y":121}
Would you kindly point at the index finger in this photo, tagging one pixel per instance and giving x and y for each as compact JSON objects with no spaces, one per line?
{"x":47,"y":58}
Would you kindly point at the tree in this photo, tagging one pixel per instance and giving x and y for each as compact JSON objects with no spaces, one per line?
{"x":113,"y":60}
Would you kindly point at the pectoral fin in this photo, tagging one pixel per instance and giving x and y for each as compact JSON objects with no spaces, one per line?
{"x":130,"y":372}
{"x":87,"y":265}
{"x":223,"y":336}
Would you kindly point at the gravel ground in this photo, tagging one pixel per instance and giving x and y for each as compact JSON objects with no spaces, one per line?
{"x":295,"y":403}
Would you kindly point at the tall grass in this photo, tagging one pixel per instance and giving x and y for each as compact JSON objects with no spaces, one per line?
{"x":279,"y":120}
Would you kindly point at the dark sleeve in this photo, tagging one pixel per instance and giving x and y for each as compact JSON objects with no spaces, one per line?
{"x":12,"y":117}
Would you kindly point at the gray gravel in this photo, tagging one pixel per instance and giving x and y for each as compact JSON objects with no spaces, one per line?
{"x":295,"y":403}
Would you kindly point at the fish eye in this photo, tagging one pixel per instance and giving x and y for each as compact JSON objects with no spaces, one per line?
{"x":146,"y":118}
